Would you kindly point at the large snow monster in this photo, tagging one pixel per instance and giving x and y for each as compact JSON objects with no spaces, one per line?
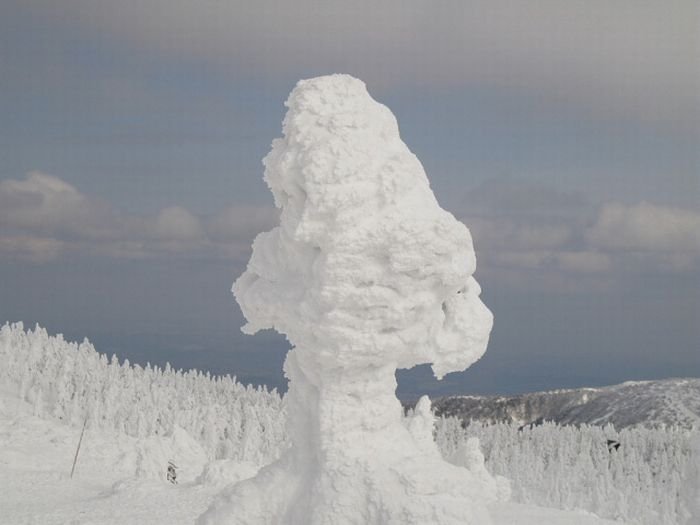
{"x":364,"y":274}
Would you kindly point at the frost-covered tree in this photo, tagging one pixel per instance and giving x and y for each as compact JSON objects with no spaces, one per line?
{"x":72,"y":382}
{"x":365,"y":274}
{"x":651,"y":479}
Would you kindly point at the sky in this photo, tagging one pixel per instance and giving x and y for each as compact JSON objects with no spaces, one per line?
{"x":564,"y":134}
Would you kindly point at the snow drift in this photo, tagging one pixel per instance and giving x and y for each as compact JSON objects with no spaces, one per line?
{"x":365,"y":274}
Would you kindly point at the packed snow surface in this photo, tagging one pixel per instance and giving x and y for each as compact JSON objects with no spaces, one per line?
{"x":364,"y":274}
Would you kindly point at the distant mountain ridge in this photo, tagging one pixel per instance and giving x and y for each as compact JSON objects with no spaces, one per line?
{"x":668,"y":402}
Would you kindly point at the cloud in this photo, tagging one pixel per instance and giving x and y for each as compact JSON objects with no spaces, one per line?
{"x":519,"y":226}
{"x":497,"y":232}
{"x":45,"y":203}
{"x":648,"y":236}
{"x":585,"y":261}
{"x":34,"y":249}
{"x":177,"y":224}
{"x":625,"y":57}
{"x":42,"y":218}
{"x":507,"y":195}
{"x":646,"y":227}
{"x":236,"y":223}
{"x":510,"y":215}
{"x":549,"y":260}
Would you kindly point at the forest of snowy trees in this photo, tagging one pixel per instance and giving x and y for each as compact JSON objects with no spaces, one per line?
{"x":652,"y":478}
{"x":73,"y":382}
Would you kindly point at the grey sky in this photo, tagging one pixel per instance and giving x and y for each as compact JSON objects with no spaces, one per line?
{"x":565,"y":134}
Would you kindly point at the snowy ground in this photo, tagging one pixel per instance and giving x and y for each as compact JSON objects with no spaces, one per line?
{"x":121,"y":480}
{"x":118,"y":479}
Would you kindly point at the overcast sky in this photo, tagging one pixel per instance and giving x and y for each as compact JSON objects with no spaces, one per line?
{"x":564,"y":134}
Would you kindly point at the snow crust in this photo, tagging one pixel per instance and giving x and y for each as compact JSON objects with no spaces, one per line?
{"x":364,"y":274}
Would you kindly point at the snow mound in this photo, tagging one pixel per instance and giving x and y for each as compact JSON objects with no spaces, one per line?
{"x":151,"y":454}
{"x":365,"y":274}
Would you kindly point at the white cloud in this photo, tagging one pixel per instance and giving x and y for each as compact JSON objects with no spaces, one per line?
{"x":501,"y":232}
{"x":646,"y":227}
{"x":42,"y":217}
{"x":38,"y":201}
{"x":177,"y":224}
{"x":35,"y":249}
{"x":47,"y":204}
{"x":584,"y":261}
{"x":515,"y":227}
{"x":240,"y":222}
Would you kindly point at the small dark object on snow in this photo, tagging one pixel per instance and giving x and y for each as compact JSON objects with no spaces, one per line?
{"x":613,"y":445}
{"x":529,"y":426}
{"x":172,"y":473}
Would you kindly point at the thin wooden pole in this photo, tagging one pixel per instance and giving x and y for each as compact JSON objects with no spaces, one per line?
{"x":75,"y":459}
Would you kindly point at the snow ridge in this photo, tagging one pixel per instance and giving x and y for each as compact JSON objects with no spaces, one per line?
{"x":669,"y":402}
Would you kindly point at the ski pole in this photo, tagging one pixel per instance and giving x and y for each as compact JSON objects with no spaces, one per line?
{"x":75,"y":459}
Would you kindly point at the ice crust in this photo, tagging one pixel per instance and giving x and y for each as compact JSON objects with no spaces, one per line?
{"x":364,"y":274}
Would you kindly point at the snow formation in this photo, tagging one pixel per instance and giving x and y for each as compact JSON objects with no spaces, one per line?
{"x":365,"y":274}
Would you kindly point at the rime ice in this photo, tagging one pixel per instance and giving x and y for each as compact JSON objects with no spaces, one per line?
{"x":365,"y":274}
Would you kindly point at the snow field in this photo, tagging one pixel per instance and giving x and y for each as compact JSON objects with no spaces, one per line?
{"x":109,"y":489}
{"x":119,"y":479}
{"x":553,"y":466}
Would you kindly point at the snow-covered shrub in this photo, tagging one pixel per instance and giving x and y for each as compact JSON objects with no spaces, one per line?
{"x":73,"y":382}
{"x":650,"y":479}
